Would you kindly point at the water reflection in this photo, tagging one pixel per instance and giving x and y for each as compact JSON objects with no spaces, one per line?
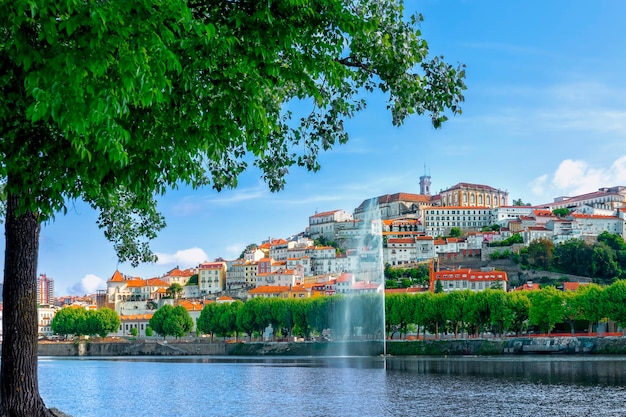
{"x":583,"y":370}
{"x":335,"y":386}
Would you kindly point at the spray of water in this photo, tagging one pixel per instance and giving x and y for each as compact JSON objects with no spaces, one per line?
{"x":359,"y":313}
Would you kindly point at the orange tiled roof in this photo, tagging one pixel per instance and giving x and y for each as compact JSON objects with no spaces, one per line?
{"x":269,"y":289}
{"x":593,"y":216}
{"x":528,"y":287}
{"x":324,"y":214}
{"x":572,"y":286}
{"x":135,"y":317}
{"x":401,"y":240}
{"x":409,"y":290}
{"x":156,"y":282}
{"x":190,"y":305}
{"x":345,"y":277}
{"x":470,"y":275}
{"x":117,"y":277}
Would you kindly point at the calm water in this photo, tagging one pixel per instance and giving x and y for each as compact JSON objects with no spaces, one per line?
{"x":287,"y":387}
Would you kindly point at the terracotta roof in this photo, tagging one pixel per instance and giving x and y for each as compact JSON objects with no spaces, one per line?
{"x":401,"y":240}
{"x":572,"y":286}
{"x":470,"y":275}
{"x":409,"y":290}
{"x":345,"y":277}
{"x":472,"y":186}
{"x":324,"y":214}
{"x":156,"y":282}
{"x":135,"y":283}
{"x":269,"y":289}
{"x":362,"y":285}
{"x":593,"y":216}
{"x":134,"y":317}
{"x":391,"y":198}
{"x":117,"y":277}
{"x":528,"y":287}
{"x":191,"y":305}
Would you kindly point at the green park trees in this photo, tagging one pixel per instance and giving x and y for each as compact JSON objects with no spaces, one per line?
{"x":79,"y":322}
{"x":132,"y":98}
{"x":171,"y":321}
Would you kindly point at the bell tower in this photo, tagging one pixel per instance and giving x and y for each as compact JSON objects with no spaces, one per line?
{"x":425,"y":183}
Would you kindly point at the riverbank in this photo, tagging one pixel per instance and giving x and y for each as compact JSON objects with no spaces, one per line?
{"x":507,"y":346}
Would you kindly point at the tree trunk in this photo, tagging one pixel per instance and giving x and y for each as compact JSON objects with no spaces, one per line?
{"x":19,"y":389}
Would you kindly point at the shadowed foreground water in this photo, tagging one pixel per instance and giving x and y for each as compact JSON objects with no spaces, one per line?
{"x":210,"y":386}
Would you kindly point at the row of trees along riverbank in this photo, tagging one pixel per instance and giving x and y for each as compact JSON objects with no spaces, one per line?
{"x":457,"y":312}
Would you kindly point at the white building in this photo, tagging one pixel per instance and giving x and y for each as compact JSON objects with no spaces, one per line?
{"x":438,"y":221}
{"x":324,"y":224}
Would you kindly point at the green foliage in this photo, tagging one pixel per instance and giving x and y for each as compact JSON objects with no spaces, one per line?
{"x":616,"y":302}
{"x":417,"y":276}
{"x":157,"y":322}
{"x":67,"y":320}
{"x":547,"y":308}
{"x":193,"y":280}
{"x":149,"y":331}
{"x":561,"y":212}
{"x":506,"y":254}
{"x":177,"y":323}
{"x":438,"y":287}
{"x":134,"y":332}
{"x":456,"y":232}
{"x":174,"y":290}
{"x":513,"y":239}
{"x":541,"y":253}
{"x":519,"y":202}
{"x":249,"y":247}
{"x":79,"y":322}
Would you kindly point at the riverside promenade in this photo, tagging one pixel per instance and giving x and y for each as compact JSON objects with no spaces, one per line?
{"x":475,"y":346}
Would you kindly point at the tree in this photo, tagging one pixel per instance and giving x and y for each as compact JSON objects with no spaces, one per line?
{"x":519,"y":202}
{"x":66,"y":320}
{"x":456,"y":232}
{"x":604,"y":262}
{"x":561,"y":212}
{"x":594,"y":304}
{"x":616,"y":302}
{"x":132,"y":98}
{"x":546,"y":308}
{"x":108,"y":321}
{"x":157,"y":322}
{"x":250,"y":247}
{"x":175,"y":290}
{"x":178,"y":322}
{"x":520,"y":305}
{"x":541,"y":252}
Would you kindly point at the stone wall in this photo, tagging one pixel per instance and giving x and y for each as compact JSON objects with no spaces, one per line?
{"x":508,"y":346}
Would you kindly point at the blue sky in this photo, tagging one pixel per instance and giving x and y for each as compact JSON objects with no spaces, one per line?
{"x":545,"y":116}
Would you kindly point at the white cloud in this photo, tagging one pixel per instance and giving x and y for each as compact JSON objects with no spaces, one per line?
{"x":185,"y":258}
{"x":89,"y":284}
{"x":234,"y":250}
{"x":538,"y":185}
{"x":575,"y":177}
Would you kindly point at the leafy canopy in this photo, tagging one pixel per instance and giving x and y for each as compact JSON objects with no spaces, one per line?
{"x":130,"y":98}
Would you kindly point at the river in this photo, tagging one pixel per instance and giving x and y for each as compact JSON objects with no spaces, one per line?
{"x":311,"y":386}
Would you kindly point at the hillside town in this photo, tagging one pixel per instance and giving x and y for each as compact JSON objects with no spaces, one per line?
{"x":342,"y":252}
